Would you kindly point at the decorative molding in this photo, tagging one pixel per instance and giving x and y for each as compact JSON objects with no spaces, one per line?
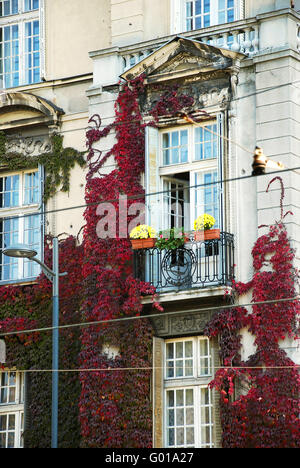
{"x":29,"y":146}
{"x":184,"y":323}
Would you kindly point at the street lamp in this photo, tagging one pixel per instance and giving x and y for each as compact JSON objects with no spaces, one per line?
{"x":23,"y":251}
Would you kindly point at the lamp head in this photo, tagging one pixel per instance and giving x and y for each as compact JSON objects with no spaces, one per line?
{"x":19,"y":251}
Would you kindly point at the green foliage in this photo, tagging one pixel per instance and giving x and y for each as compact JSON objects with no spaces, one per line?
{"x":170,"y":239}
{"x":57,"y":163}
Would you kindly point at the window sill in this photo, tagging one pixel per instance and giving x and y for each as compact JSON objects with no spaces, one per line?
{"x":22,"y":282}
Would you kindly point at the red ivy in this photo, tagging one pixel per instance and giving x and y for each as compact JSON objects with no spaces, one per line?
{"x":117,"y":402}
{"x":266,"y":414}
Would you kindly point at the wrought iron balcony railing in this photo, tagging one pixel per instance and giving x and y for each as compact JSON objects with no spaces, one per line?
{"x":197,"y":265}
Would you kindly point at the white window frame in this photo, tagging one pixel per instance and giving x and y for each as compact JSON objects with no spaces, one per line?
{"x":197,"y":382}
{"x":21,"y":212}
{"x":178,"y":14}
{"x":20,"y":19}
{"x":15,"y":408}
{"x":192,"y":166}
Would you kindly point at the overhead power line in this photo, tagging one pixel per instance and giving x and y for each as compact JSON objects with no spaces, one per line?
{"x":150,"y":316}
{"x":149,"y":194}
{"x":152,"y":368}
{"x":133,"y":122}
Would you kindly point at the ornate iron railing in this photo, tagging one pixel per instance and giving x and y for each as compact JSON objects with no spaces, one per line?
{"x":196,"y":265}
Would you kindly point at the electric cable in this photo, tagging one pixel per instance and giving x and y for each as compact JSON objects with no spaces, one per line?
{"x":149,"y":194}
{"x":150,"y":316}
{"x":151,"y":368}
{"x":133,"y":122}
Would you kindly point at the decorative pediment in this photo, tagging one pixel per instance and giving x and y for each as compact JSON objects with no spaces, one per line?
{"x":183,"y":57}
{"x":18,"y":109}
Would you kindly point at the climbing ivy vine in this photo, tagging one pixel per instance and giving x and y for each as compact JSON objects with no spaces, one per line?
{"x":103,"y":406}
{"x":57,"y":163}
{"x":260,"y":397}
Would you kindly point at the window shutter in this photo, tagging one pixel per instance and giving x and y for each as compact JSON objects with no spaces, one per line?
{"x":158,"y":393}
{"x":152,"y":178}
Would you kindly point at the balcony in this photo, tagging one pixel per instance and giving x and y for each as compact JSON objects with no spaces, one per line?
{"x":198,"y":265}
{"x":239,"y":36}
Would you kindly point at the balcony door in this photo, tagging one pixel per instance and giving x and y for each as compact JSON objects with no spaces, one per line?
{"x":175,"y":203}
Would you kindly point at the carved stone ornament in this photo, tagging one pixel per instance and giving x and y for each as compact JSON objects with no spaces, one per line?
{"x":214,"y":97}
{"x":181,"y":324}
{"x":30,"y":146}
{"x":182,"y":57}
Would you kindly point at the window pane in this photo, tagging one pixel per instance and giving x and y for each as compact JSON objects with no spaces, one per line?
{"x":207,"y":195}
{"x":182,"y":361}
{"x":175,"y":147}
{"x":8,"y":7}
{"x":179,"y":397}
{"x":9,"y":56}
{"x":9,"y":191}
{"x":2,"y":440}
{"x":9,"y":235}
{"x":170,"y":352}
{"x":11,"y":422}
{"x":206,"y":7}
{"x":180,"y":426}
{"x":32,"y":238}
{"x":206,"y":418}
{"x":31,"y":189}
{"x":179,"y":350}
{"x":31,"y":5}
{"x":32,"y":52}
{"x":11,"y":440}
{"x":3,"y":423}
{"x":188,"y":348}
{"x":198,"y":9}
{"x":189,"y":9}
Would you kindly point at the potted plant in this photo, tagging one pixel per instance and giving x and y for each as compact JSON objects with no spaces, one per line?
{"x":203,"y":228}
{"x":171,"y":239}
{"x":142,"y":237}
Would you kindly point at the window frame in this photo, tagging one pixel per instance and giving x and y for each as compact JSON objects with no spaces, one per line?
{"x":179,"y":21}
{"x":15,"y":408}
{"x":193,"y":166}
{"x":21,"y":212}
{"x":20,"y":19}
{"x":197,"y":383}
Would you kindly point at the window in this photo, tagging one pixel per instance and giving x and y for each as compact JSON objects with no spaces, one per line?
{"x":190,"y":15}
{"x":188,"y":400}
{"x":20,"y":222}
{"x":8,"y":7}
{"x":11,"y":409}
{"x":175,"y":147}
{"x":204,"y":13}
{"x":189,"y":170}
{"x":20,"y":53}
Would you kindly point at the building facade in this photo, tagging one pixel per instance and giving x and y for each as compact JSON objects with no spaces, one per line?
{"x":42,"y":93}
{"x":238,"y":61}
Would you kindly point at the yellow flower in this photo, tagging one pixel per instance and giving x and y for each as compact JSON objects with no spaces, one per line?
{"x":142,"y":232}
{"x":204,"y":221}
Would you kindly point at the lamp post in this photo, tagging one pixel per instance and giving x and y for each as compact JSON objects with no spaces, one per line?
{"x":23,"y":251}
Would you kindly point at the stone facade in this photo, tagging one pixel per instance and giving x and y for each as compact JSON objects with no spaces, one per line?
{"x":253,"y":83}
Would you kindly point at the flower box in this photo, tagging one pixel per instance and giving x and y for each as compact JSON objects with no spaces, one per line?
{"x":143,"y":243}
{"x":207,"y":234}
